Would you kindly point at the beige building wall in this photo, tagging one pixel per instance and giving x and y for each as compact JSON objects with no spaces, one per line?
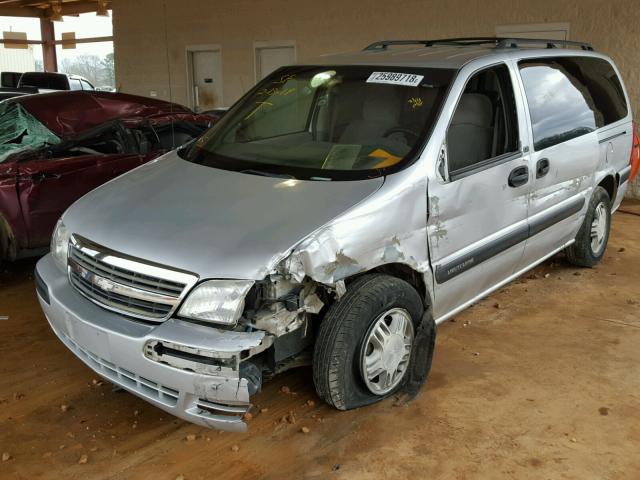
{"x":150,"y":46}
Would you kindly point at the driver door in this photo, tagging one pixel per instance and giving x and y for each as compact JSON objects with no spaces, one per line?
{"x":477,"y":223}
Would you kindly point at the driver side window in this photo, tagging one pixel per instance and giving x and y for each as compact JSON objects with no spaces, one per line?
{"x":484,"y":126}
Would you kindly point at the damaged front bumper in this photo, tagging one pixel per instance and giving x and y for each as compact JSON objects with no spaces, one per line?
{"x":188,"y":370}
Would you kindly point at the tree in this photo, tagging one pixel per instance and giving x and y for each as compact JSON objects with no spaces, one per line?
{"x":87,"y":66}
{"x":109,"y":65}
{"x":99,"y":71}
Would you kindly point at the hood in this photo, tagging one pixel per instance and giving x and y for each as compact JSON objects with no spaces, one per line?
{"x":215,"y":223}
{"x":70,"y":113}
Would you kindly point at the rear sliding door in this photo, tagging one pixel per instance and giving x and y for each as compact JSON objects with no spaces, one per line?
{"x":567,"y":114}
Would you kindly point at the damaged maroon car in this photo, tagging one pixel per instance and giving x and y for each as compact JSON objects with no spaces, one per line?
{"x":56,"y":147}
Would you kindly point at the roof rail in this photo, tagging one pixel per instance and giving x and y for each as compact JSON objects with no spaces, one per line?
{"x":516,"y":42}
{"x":499,"y":42}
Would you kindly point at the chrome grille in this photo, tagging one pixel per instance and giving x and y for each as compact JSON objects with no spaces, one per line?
{"x":124,"y":284}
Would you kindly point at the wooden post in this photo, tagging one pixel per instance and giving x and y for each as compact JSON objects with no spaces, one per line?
{"x":50,"y":57}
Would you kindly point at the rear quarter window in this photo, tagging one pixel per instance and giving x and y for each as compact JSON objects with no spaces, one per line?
{"x":570,"y":96}
{"x":604,"y":85}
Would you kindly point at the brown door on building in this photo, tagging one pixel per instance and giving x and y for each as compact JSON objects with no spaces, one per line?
{"x":270,"y":58}
{"x":206,"y":79}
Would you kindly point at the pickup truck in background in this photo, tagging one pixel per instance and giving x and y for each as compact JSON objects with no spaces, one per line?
{"x":52,"y":82}
{"x":9,"y":86}
{"x":10,"y":79}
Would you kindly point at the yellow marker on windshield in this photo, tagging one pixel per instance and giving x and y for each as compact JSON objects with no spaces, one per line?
{"x":415,"y":102}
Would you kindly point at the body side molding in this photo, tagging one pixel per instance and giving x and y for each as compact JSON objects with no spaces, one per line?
{"x":449,"y":270}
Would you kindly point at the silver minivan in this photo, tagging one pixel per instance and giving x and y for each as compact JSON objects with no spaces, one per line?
{"x":335,"y":215}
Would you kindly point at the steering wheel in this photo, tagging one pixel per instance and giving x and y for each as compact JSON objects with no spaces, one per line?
{"x":406,"y":131}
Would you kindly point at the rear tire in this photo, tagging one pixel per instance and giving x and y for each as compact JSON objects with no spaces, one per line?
{"x":593,"y":236}
{"x":372,"y":325}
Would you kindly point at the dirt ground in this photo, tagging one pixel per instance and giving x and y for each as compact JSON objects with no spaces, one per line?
{"x":540,"y":380}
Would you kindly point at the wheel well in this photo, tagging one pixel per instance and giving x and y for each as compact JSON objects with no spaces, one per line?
{"x":409,"y":275}
{"x":610,"y":185}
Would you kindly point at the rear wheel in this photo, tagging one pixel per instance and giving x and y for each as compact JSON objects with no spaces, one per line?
{"x":593,"y":236}
{"x":364,"y":347}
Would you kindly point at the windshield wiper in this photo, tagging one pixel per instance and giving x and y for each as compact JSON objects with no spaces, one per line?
{"x":265,"y":173}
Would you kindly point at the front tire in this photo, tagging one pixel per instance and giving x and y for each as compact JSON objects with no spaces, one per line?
{"x":364,"y":346}
{"x":593,"y":236}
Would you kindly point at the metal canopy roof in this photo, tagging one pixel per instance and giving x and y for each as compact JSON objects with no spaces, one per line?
{"x":45,"y":9}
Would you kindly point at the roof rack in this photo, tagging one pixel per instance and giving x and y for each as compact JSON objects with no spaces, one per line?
{"x":499,"y":42}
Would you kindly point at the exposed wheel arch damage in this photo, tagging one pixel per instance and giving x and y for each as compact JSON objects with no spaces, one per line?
{"x":610,"y":184}
{"x":309,"y":279}
{"x":356,"y":243}
{"x":409,"y":275}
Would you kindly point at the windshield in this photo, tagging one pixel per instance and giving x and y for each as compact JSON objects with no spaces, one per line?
{"x":327,"y":123}
{"x":20,"y":131}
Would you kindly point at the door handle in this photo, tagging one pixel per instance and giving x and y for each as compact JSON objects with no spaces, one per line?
{"x":542,"y":167}
{"x":39,"y":177}
{"x":519,"y":176}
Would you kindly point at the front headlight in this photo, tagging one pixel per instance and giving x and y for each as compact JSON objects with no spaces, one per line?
{"x":217,"y":301}
{"x":60,"y":244}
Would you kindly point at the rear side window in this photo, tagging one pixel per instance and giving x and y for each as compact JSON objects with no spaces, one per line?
{"x":570,"y":96}
{"x":604,"y":85}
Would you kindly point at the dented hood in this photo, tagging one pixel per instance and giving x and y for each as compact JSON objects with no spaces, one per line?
{"x":70,"y":113}
{"x":215,"y":223}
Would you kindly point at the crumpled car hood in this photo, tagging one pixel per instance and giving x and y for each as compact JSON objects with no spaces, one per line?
{"x":215,"y":223}
{"x":70,"y":113}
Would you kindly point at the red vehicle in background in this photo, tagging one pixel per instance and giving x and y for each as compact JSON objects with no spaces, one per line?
{"x":56,"y":147}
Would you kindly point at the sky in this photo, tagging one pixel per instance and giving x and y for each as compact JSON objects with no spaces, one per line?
{"x":84,"y":26}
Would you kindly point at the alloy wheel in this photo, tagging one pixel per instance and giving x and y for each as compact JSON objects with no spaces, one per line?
{"x":386,"y":351}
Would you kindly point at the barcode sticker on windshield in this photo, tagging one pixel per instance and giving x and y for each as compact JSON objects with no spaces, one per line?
{"x":407,"y":79}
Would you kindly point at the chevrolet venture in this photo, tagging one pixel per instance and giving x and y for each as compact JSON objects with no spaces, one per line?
{"x":335,"y":215}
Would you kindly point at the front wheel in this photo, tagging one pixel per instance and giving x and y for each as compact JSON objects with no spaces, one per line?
{"x":365,"y":344}
{"x":593,"y":236}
